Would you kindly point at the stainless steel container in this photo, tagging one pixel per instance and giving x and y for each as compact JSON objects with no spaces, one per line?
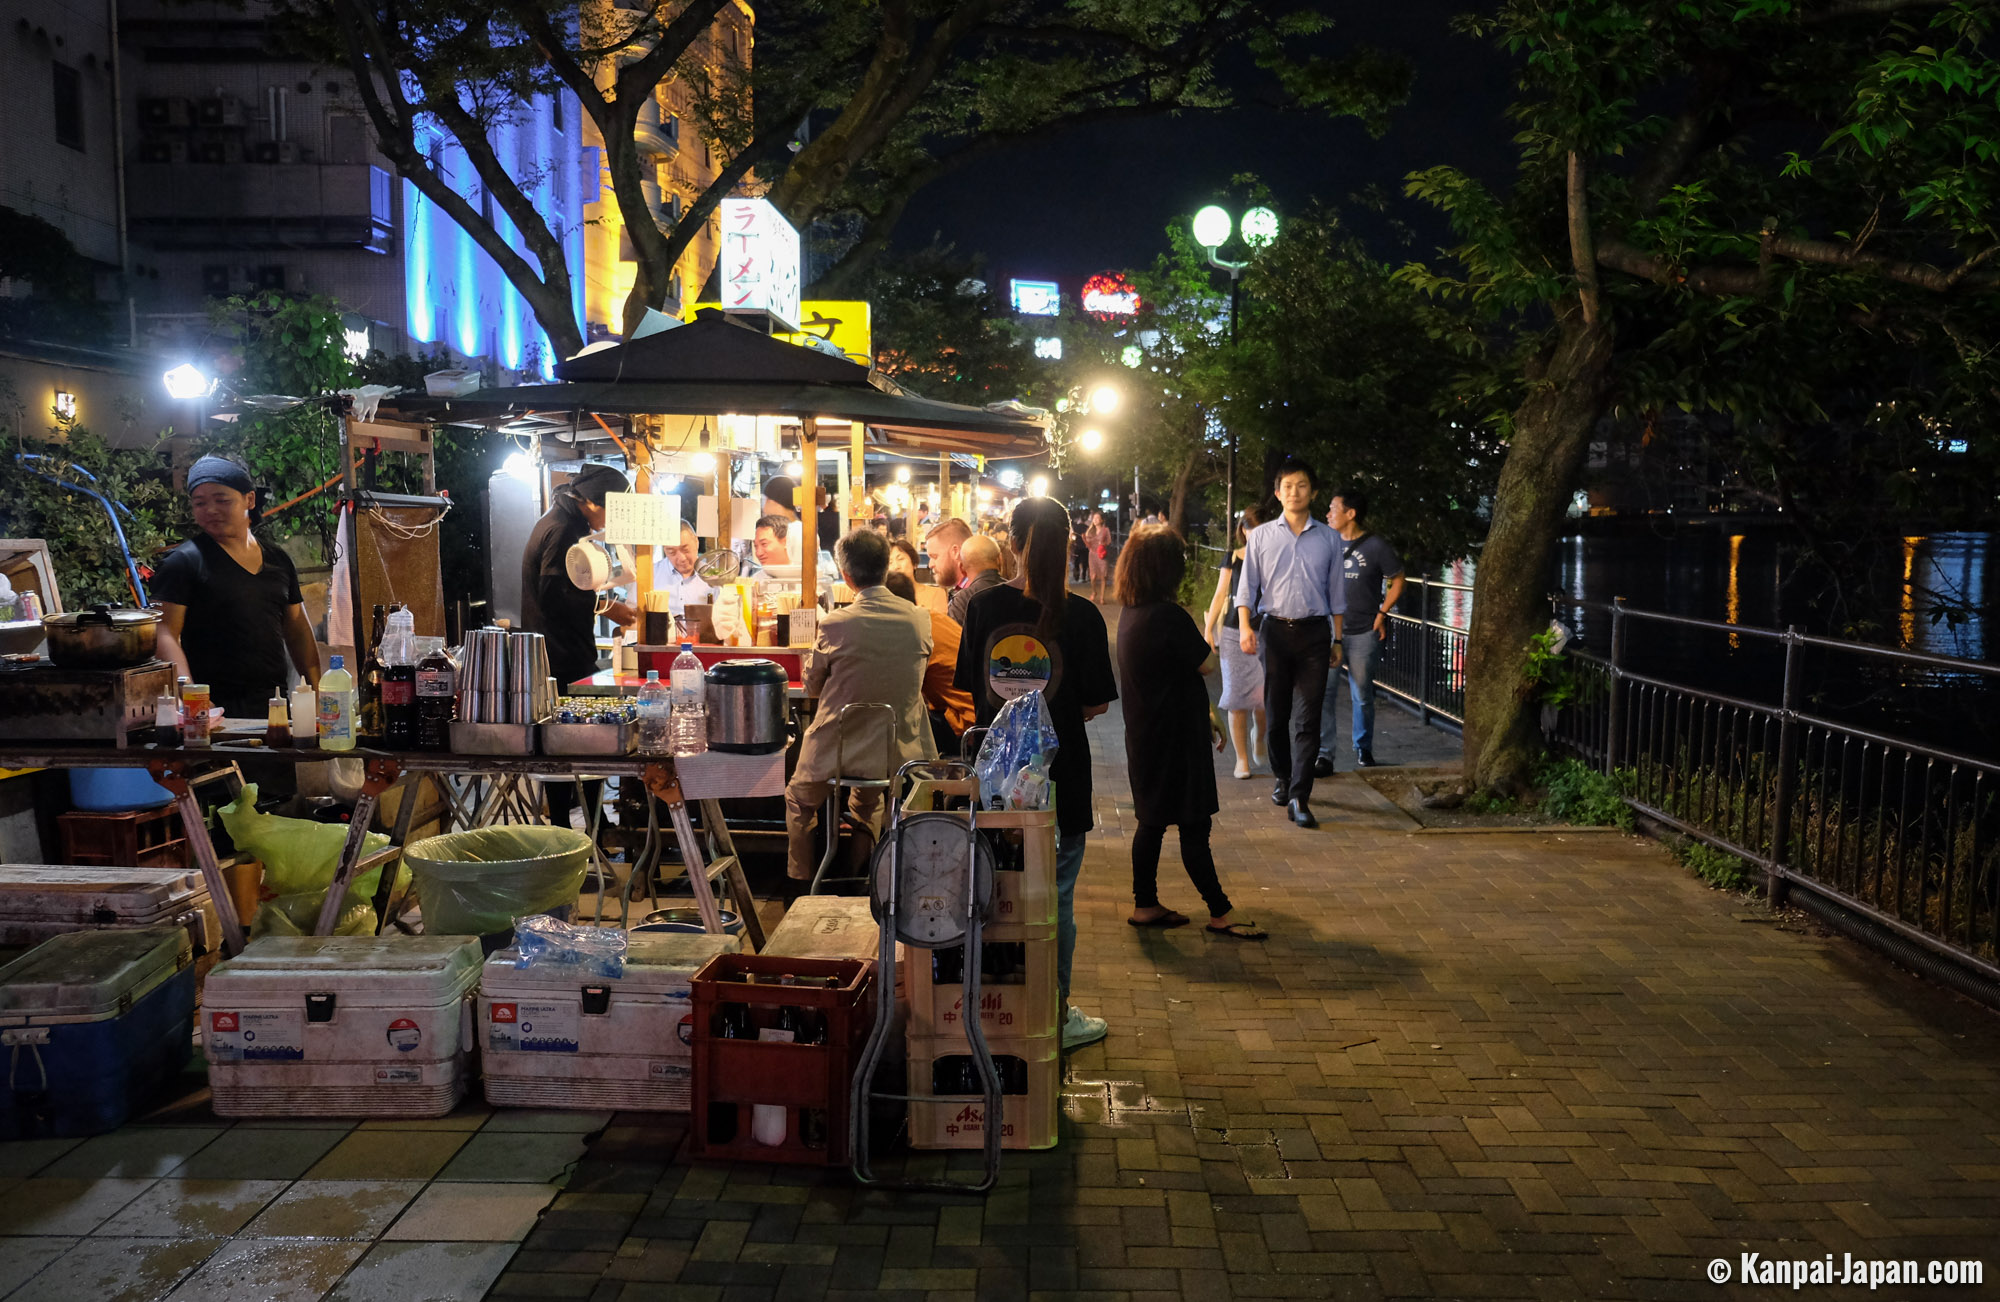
{"x":748,"y":709}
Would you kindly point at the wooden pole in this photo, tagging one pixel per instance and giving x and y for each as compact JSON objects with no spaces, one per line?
{"x":808,"y":508}
{"x":725,"y":470}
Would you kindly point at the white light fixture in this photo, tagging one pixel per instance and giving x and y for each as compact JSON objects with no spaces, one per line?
{"x":1090,"y":440}
{"x":703,"y":462}
{"x":1040,"y":486}
{"x":521,"y":466}
{"x":902,"y":474}
{"x":354,"y":343}
{"x":1049,"y":349}
{"x":1104,"y":492}
{"x":1260,"y":227}
{"x":65,"y":405}
{"x":1104,"y":398}
{"x":185,"y":384}
{"x":796,"y":469}
{"x":1132,"y":356}
{"x":1211,"y":227}
{"x":1010,"y":478}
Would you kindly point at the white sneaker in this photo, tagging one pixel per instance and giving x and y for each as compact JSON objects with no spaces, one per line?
{"x":1079,"y":1030}
{"x":1242,"y":769}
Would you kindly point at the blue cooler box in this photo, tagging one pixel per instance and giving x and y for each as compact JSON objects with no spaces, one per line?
{"x":90,"y":1024}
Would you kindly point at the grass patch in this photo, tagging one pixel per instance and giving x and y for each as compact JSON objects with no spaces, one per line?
{"x":1718,"y":868}
{"x":1575,"y":793}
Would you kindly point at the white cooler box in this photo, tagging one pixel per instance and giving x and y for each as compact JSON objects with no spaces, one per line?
{"x":38,"y":901}
{"x":341,"y":1026}
{"x":552,"y":1038}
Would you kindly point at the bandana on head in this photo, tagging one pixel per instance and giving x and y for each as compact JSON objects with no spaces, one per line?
{"x":219,"y":470}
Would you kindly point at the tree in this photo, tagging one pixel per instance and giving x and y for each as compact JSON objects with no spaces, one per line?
{"x":1780,"y":209}
{"x":940,"y":332}
{"x":878,"y":99}
{"x":1361,"y":375}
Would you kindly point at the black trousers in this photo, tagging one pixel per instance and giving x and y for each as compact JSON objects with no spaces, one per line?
{"x":561,"y":796}
{"x":1295,"y":654}
{"x":1195,"y":857}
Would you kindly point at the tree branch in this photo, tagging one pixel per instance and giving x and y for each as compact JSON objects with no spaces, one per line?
{"x":1727,"y":281}
{"x":1581,"y":253}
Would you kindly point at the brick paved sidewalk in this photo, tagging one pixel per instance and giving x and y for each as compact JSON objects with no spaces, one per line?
{"x":1537,"y":1065}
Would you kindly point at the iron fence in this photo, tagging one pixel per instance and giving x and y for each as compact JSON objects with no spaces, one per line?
{"x":1423,"y":657}
{"x":1903,"y":833}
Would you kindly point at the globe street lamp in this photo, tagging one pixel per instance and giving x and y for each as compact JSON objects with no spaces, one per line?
{"x":1104,"y":398}
{"x":1259,"y":226}
{"x":1090,"y":440}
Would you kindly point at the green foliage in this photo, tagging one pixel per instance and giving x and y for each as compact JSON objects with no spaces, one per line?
{"x":1574,"y":792}
{"x":1718,"y":868}
{"x":1491,"y":802}
{"x":88,"y":563}
{"x":940,"y":334}
{"x":1549,"y":673}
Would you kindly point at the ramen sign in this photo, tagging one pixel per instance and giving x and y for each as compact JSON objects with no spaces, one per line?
{"x":760,"y":261}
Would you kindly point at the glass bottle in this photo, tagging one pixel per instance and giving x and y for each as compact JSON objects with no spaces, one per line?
{"x":368,"y":711}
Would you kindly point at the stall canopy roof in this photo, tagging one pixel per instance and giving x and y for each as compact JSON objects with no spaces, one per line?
{"x":713,"y":367}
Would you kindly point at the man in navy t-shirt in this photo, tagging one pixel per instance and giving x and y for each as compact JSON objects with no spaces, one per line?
{"x":1368,"y":563}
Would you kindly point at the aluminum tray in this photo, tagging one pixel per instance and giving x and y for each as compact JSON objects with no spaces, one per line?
{"x":493,"y":738}
{"x":589,"y":738}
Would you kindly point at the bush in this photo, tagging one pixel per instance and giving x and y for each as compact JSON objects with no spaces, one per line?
{"x":1573,"y":792}
{"x":1718,"y":868}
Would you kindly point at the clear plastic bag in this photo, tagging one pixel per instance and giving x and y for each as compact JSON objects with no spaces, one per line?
{"x":545,"y":942}
{"x":1013,"y":762}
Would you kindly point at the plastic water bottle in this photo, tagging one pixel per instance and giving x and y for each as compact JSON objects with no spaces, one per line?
{"x":336,"y":707}
{"x":655,"y":715}
{"x":689,"y":732}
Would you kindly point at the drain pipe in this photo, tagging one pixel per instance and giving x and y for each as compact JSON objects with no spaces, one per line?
{"x":118,"y":174}
{"x":1918,"y":959}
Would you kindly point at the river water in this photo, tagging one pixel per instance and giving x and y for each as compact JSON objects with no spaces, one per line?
{"x":1757,"y":578}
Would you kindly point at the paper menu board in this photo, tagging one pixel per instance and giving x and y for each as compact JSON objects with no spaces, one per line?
{"x":704,"y":515}
{"x":642,"y":519}
{"x":743,"y":516}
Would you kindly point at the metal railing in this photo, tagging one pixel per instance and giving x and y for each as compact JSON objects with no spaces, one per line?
{"x":1903,"y":833}
{"x":1423,"y":658}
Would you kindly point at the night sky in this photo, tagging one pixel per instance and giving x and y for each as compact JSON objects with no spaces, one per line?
{"x":1101,"y":197}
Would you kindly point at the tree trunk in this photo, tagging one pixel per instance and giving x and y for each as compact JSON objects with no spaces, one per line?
{"x":1509,"y":604}
{"x":1177,"y":500}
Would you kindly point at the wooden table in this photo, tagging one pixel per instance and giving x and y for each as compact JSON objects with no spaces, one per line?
{"x":671,"y":782}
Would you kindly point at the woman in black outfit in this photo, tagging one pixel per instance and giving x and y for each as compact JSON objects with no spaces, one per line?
{"x":1161,"y":653}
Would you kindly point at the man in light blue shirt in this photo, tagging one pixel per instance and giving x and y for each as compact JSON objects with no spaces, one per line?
{"x":1293,"y":591}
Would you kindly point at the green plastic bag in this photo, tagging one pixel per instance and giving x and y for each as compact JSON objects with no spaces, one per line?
{"x":299,"y":858}
{"x":476,"y":883}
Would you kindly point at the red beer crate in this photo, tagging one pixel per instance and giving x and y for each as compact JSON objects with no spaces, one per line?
{"x":762,"y":1080}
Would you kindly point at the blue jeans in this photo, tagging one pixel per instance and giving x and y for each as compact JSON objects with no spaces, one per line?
{"x":1362,"y":653}
{"x":1069,"y":864}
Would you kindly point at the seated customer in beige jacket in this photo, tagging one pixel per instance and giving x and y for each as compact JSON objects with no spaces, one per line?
{"x":873,"y":651}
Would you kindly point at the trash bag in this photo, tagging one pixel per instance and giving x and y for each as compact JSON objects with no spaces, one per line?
{"x":476,"y":883}
{"x":1013,"y":761}
{"x":299,"y":858}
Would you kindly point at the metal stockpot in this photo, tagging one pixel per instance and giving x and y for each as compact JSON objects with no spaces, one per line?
{"x":747,"y":707}
{"x":103,"y":637}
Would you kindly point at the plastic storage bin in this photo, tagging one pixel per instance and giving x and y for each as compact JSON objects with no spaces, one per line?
{"x":92,"y":1023}
{"x":341,"y":1026}
{"x":552,"y":1038}
{"x":1031,"y":1092}
{"x":476,"y":883}
{"x":116,"y":790}
{"x":38,"y":901}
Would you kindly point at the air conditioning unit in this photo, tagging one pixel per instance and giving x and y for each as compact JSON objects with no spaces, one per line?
{"x":271,"y":275}
{"x":163,"y":151}
{"x":213,"y":151}
{"x":215,"y":280}
{"x":274,"y":151}
{"x":218,"y":111}
{"x":165,"y":111}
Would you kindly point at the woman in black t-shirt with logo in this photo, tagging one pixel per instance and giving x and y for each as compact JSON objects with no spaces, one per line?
{"x":1034,"y":633}
{"x":233,"y":614}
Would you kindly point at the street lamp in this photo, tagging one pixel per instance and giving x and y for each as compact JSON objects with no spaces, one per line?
{"x":1090,"y":440}
{"x":1039,"y":486}
{"x":185,"y":383}
{"x":1104,"y":398}
{"x":1259,"y":227}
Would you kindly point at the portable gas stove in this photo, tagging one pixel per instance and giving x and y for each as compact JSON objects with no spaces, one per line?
{"x":41,"y":703}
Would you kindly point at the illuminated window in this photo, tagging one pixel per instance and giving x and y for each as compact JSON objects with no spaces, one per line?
{"x":65,"y":405}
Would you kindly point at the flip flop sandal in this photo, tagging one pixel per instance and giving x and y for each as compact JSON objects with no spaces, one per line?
{"x":1167,"y":919}
{"x":1240,"y":930}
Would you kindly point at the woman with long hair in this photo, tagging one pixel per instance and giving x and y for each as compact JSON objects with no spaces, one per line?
{"x":1033,"y":633}
{"x":1242,"y":676}
{"x":1097,"y":549}
{"x":1161,"y":659}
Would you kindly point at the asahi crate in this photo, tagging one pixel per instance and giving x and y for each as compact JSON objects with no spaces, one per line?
{"x":1023,"y":843}
{"x":1018,"y":996}
{"x":948,"y":1107}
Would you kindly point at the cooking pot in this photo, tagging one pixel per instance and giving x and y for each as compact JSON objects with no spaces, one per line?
{"x":747,"y":707}
{"x":103,"y":637}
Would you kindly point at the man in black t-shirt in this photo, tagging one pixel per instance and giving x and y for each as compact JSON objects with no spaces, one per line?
{"x":1373,"y":575}
{"x":233,"y":616}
